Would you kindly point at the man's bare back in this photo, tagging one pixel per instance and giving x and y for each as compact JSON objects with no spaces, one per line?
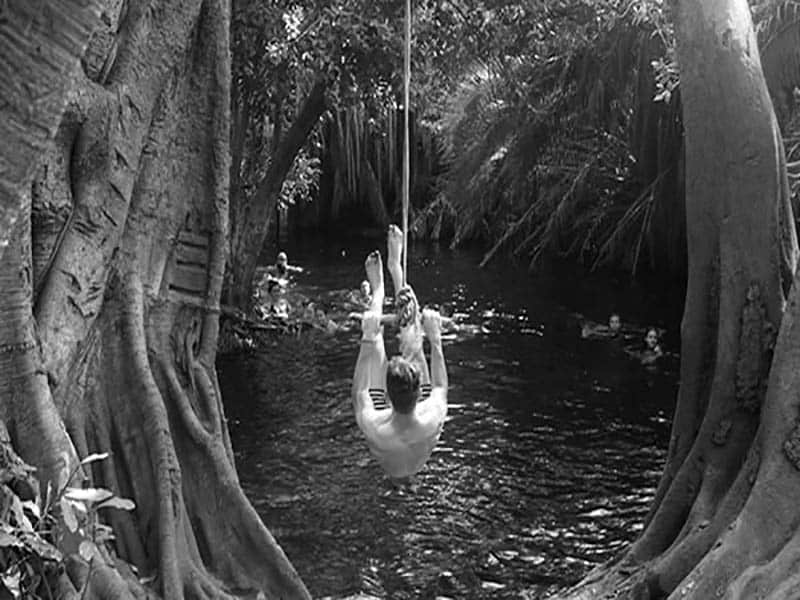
{"x":403,"y":443}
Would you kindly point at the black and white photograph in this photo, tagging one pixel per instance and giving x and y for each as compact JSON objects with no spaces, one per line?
{"x":399,"y":300}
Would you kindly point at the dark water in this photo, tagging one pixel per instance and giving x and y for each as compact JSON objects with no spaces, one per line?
{"x":549,"y":458}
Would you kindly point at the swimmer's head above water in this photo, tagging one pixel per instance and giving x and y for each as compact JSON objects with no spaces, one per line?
{"x":282,"y":308}
{"x":651,"y":339}
{"x":282,"y":263}
{"x":402,"y":385}
{"x":273,"y":286}
{"x":365,"y":288}
{"x":614,"y":323}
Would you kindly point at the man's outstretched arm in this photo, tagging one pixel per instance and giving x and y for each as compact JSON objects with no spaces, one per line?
{"x":432,"y":323}
{"x":437,"y":403}
{"x":438,"y":367}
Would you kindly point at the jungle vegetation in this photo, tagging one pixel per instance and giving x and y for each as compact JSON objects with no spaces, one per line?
{"x":147,"y":143}
{"x":540,"y":129}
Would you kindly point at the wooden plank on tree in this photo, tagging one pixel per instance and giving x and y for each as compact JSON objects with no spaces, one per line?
{"x":191,"y":255}
{"x":191,"y":239}
{"x":191,"y":278}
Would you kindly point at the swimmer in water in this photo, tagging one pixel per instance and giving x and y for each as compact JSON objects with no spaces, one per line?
{"x":324,"y":323}
{"x":612,"y":330}
{"x":282,"y":269}
{"x":652,"y":350}
{"x":364,"y":295}
{"x":270,"y":302}
{"x":360,"y":299}
{"x":281,"y":308}
{"x":402,"y":435}
{"x":614,"y":324}
{"x":315,"y":317}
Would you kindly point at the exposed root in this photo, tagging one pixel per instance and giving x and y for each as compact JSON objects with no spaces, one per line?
{"x":611,"y":581}
{"x":155,"y":426}
{"x":671,"y":567}
{"x":778,"y":579}
{"x":200,"y":586}
{"x":231,"y":538}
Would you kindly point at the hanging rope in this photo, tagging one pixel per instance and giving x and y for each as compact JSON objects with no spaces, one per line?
{"x":406,"y":152}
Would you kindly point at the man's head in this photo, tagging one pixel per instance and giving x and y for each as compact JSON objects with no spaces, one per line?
{"x":282,"y":308}
{"x":282,"y":259}
{"x":366,"y":290}
{"x":402,"y":384}
{"x":614,"y":323}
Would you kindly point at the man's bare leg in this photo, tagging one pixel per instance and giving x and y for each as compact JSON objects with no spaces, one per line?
{"x":374,"y":268}
{"x":410,"y":348}
{"x":394,"y":256}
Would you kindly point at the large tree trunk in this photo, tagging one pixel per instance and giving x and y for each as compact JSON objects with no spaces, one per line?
{"x":250,"y":216}
{"x":727,"y":499}
{"x":111,"y":301}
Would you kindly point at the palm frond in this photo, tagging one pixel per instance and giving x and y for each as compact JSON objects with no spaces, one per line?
{"x":546,"y":165}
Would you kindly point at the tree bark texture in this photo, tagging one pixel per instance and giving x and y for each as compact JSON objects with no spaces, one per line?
{"x":251,"y":214}
{"x":110,"y":297}
{"x":41,"y":44}
{"x":725,"y":501}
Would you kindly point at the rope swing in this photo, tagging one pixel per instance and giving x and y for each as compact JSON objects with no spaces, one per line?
{"x":406,"y":151}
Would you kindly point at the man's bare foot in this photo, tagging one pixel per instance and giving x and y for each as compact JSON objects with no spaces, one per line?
{"x":394,"y":246}
{"x":374,"y":268}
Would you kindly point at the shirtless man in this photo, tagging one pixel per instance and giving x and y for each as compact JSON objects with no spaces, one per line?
{"x":282,"y":269}
{"x":403,"y":435}
{"x":408,"y":317}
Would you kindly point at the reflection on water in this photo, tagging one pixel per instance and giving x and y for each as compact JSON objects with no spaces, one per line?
{"x":546,"y":466}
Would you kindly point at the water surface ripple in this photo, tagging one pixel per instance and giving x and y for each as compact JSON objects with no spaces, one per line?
{"x":549,"y":458}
